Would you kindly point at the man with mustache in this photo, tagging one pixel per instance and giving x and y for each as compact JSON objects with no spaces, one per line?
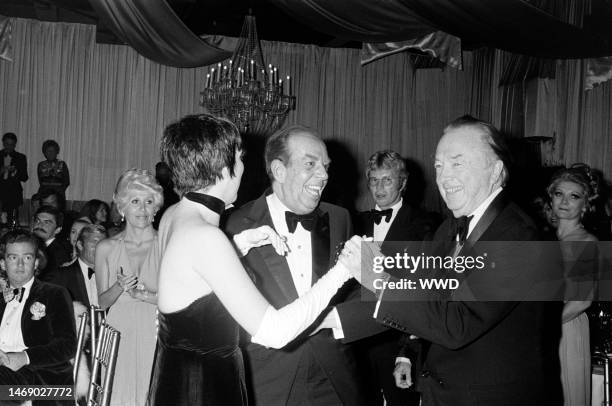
{"x":315,"y":370}
{"x":47,"y":224}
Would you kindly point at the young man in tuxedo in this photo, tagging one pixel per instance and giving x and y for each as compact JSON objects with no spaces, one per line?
{"x":387,"y":358}
{"x":313,"y":370}
{"x":499,"y":350}
{"x":13,"y":171}
{"x":47,"y":224}
{"x":78,"y":276}
{"x":37,"y":331}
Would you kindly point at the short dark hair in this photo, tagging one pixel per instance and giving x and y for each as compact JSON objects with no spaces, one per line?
{"x":90,"y":209}
{"x":9,"y":136}
{"x":57,"y":214}
{"x":277,"y":145}
{"x":197,"y":148}
{"x":18,"y":236}
{"x":91,"y":229}
{"x":491,"y":136}
{"x":46,"y":192}
{"x":50,"y":143}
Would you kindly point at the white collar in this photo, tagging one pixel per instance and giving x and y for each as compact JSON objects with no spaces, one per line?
{"x":395,"y":207}
{"x":27,"y":286}
{"x":49,"y":241}
{"x":484,"y":205}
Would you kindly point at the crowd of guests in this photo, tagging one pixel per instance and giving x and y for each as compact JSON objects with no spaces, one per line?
{"x":188,"y":289}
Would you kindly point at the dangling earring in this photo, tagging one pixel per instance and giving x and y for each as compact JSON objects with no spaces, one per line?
{"x":122,"y":217}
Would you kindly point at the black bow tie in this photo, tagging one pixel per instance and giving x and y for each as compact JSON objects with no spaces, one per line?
{"x":378,"y":215}
{"x":90,"y":272}
{"x":10,"y":294}
{"x":459,"y":227}
{"x":307,"y":220}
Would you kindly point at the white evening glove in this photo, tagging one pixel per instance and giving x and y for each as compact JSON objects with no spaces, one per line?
{"x":279,"y":327}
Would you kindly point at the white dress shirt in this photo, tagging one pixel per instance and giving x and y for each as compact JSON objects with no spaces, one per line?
{"x":90,"y":284}
{"x":299,"y":257}
{"x":381,"y":229}
{"x":11,"y":337}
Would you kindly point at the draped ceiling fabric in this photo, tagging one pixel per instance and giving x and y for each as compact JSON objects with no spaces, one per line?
{"x":153,"y":29}
{"x":512,"y":25}
{"x":6,"y":28}
{"x":439,"y":45}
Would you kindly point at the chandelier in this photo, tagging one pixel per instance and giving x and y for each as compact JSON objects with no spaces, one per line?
{"x":247,"y":92}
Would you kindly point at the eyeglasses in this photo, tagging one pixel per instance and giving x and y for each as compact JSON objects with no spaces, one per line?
{"x":385,"y":181}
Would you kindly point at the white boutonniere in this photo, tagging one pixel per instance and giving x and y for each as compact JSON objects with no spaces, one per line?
{"x":38,"y":310}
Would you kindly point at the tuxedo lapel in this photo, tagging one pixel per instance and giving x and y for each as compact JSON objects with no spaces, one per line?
{"x":80,"y":282}
{"x":495,"y":208}
{"x":2,"y":307}
{"x":276,"y":265}
{"x":26,"y":315}
{"x":320,"y":244}
{"x":402,"y":219}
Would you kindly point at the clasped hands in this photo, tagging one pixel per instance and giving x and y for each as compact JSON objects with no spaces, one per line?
{"x":129,"y":284}
{"x":13,"y":360}
{"x":351,"y":256}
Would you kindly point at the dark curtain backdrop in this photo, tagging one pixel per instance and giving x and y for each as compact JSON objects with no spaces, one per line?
{"x":107,"y":106}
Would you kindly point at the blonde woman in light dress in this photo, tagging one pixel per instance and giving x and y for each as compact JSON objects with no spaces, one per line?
{"x":571,"y":192}
{"x":126,"y":277}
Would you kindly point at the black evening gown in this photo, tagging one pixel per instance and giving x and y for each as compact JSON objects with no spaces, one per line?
{"x":198,"y":361}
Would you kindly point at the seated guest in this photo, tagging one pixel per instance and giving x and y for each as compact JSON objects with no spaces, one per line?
{"x":78,"y":276}
{"x":75,"y":230}
{"x":392,"y":219}
{"x":47,"y":224}
{"x":52,"y":172}
{"x":37,"y":332}
{"x":53,"y":198}
{"x":96,"y":211}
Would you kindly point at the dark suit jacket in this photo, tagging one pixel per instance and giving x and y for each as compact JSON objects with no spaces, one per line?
{"x":273,"y":371}
{"x":413,"y":225}
{"x":58,"y":253}
{"x":71,"y":278}
{"x":485,"y":353}
{"x":11,"y":191}
{"x":410,"y":224}
{"x":51,"y":340}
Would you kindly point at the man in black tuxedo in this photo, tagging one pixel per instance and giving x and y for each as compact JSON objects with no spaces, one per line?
{"x":78,"y":276}
{"x":37,"y":331}
{"x":503,"y":351}
{"x":13,"y":171}
{"x":392,"y":219}
{"x":315,"y":370}
{"x":47,"y":224}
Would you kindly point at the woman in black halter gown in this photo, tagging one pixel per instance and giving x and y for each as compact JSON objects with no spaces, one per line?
{"x":204,"y":293}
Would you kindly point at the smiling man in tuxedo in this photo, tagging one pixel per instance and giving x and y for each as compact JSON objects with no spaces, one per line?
{"x":502,"y":351}
{"x":37,"y":331}
{"x":315,"y":370}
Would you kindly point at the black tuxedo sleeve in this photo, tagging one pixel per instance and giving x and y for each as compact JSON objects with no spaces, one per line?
{"x":61,"y":345}
{"x":484,"y":298}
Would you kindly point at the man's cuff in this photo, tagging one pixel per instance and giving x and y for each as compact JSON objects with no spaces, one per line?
{"x":337,"y":331}
{"x":402,"y":359}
